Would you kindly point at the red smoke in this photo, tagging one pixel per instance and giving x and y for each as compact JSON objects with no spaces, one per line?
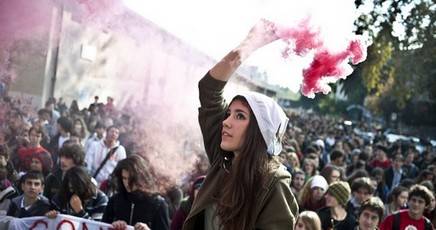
{"x":326,"y":66}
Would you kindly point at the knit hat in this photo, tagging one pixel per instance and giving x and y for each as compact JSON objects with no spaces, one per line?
{"x":320,"y":182}
{"x":341,"y":191}
{"x":271,"y":119}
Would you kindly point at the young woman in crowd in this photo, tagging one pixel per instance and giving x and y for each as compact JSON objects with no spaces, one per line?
{"x":397,"y":200}
{"x":331,"y":173}
{"x":136,"y":202}
{"x":309,"y":167}
{"x":79,"y":196}
{"x":311,"y":197}
{"x":41,"y":163}
{"x":308,"y":220}
{"x":246,"y":187}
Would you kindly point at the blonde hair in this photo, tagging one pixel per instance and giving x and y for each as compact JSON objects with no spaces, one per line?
{"x":310,"y":219}
{"x":293,"y":155}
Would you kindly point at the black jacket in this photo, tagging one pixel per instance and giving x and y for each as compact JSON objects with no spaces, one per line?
{"x":138,"y":207}
{"x":39,"y":208}
{"x":53,"y":183}
{"x":389,"y":177}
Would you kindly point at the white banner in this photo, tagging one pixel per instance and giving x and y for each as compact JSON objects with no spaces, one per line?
{"x":62,"y":222}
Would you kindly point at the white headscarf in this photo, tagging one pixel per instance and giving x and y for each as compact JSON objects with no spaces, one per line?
{"x":271,"y":119}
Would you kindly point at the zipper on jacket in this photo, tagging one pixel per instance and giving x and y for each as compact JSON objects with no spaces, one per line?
{"x":132,"y":207}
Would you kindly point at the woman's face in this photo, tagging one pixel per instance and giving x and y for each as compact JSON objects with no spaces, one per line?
{"x":293,"y":161}
{"x":300,"y":225}
{"x":298,"y":181}
{"x":317,"y":193}
{"x":235,"y":127}
{"x":308,"y":168}
{"x":125,"y":178}
{"x":402,"y":199}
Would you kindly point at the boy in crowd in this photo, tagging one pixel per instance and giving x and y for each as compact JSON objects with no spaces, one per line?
{"x":413,"y":218}
{"x":31,"y":203}
{"x":362,"y":189}
{"x":370,"y":214}
{"x":69,"y":157}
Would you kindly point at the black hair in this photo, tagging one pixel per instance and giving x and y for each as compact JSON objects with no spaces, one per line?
{"x":74,"y":152}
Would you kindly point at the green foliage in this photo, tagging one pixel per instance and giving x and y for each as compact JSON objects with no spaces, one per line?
{"x":401,"y":67}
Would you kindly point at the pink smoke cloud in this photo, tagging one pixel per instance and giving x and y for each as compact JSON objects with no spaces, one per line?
{"x":327,"y":66}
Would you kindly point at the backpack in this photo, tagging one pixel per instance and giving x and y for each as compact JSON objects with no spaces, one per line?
{"x":397,"y":219}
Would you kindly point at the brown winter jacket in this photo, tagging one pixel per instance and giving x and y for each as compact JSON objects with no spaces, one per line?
{"x":277,"y":206}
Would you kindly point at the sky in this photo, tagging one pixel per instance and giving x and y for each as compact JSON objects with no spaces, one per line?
{"x":217,"y":26}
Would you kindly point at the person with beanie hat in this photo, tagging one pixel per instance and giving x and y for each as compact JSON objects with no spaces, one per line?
{"x":334,"y":215}
{"x":246,"y":186}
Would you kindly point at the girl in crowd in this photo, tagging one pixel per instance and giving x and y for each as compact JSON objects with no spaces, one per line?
{"x":309,"y":167}
{"x":331,"y":173}
{"x":136,"y":202}
{"x":334,"y":215}
{"x":41,"y":163}
{"x":80,"y":129}
{"x":308,"y":220}
{"x":79,"y":196}
{"x":397,"y":200}
{"x":297,"y":183}
{"x":311,"y":197}
{"x":246,"y":187}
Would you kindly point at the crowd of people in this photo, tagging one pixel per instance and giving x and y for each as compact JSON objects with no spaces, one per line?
{"x":82,"y":163}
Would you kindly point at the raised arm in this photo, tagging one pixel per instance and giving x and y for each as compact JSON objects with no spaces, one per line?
{"x":260,"y":35}
{"x":213,"y":106}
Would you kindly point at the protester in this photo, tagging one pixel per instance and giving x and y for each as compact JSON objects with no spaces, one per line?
{"x":397,"y":200}
{"x":335,"y":215}
{"x":297,"y":183}
{"x":69,"y":157}
{"x":370,"y":214}
{"x":34,"y":150}
{"x":103,"y":156}
{"x":395,"y":173}
{"x":31,"y":203}
{"x":242,"y":141}
{"x":413,"y":217}
{"x":136,"y":202}
{"x":361,"y":189}
{"x":311,"y":197}
{"x":332,"y":173}
{"x":78,"y":196}
{"x":308,"y":220}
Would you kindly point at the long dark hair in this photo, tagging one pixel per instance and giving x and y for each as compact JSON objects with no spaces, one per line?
{"x":241,"y":188}
{"x":140,"y":174}
{"x":81,"y":185}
